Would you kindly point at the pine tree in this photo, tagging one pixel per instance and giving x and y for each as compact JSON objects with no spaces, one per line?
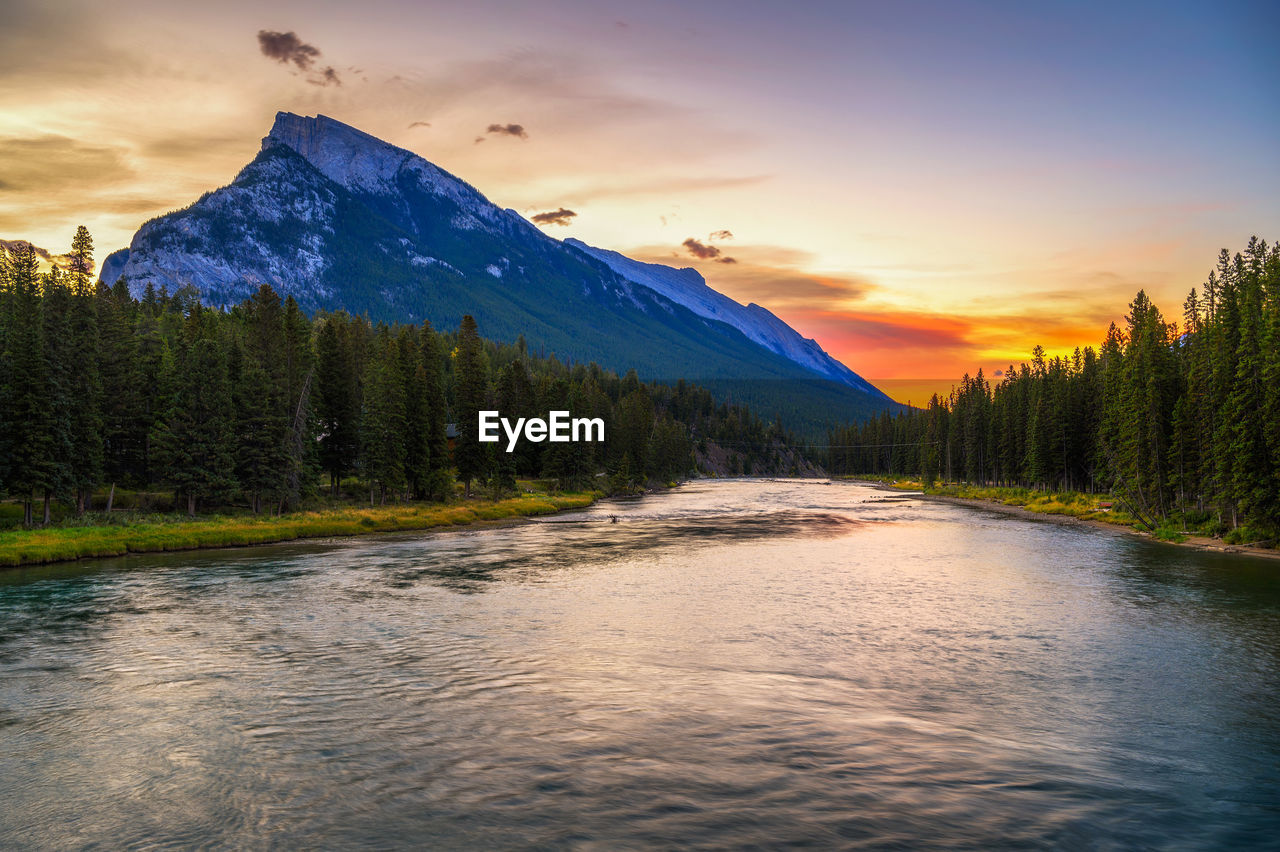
{"x":193,"y":442}
{"x":383,"y":440}
{"x":515,"y":399}
{"x":81,"y":267}
{"x":121,"y":400}
{"x":300,"y":452}
{"x":1252,"y":483}
{"x":263,"y":464}
{"x":1226,"y":345}
{"x":152,"y":377}
{"x":59,"y":371}
{"x":439,"y":479}
{"x":471,"y":371}
{"x":417,"y":440}
{"x":1270,"y":414}
{"x":338,"y":396}
{"x":86,"y":457}
{"x":6,"y":310}
{"x":633,"y":429}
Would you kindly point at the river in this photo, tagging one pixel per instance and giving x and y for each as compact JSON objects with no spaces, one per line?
{"x":731,"y":664}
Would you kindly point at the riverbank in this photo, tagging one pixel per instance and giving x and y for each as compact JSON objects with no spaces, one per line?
{"x":67,"y":543}
{"x":1065,"y":509}
{"x":1117,"y":527}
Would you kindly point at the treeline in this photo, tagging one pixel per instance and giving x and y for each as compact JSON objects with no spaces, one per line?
{"x":263,"y":407}
{"x":1181,"y":421}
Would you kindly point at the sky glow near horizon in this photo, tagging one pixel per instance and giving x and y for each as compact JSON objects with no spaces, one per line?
{"x":925,"y":188}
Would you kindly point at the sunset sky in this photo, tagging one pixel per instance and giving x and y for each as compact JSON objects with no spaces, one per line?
{"x":925,"y":188}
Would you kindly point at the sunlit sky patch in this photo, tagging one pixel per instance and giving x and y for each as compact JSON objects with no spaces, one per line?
{"x":924,"y":187}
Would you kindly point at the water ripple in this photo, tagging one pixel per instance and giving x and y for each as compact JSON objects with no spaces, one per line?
{"x":731,"y":665}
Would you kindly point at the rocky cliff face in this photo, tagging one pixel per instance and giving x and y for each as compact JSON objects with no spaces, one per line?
{"x":272,"y":225}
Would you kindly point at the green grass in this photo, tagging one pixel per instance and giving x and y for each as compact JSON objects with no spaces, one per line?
{"x":1071,"y":503}
{"x":1087,"y":507}
{"x":152,"y":533}
{"x":1177,"y":528}
{"x":1169,"y":533}
{"x":1251,"y":535}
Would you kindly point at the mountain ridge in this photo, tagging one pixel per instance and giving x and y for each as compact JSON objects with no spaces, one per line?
{"x":342,"y":220}
{"x":688,"y":287}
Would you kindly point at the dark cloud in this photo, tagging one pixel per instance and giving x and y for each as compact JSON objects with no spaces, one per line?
{"x":703,"y":251}
{"x":697,"y":249}
{"x":325,"y":77}
{"x":721,"y":235}
{"x":516,"y":130}
{"x":288,"y":49}
{"x":998,"y":373}
{"x":553,"y":217}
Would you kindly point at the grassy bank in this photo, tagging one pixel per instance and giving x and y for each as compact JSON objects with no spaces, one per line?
{"x":1200,"y":529}
{"x":153,"y":533}
{"x":1086,"y":507}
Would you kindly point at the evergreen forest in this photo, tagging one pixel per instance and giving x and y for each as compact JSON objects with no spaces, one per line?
{"x":1179,"y":419}
{"x":264,"y":409}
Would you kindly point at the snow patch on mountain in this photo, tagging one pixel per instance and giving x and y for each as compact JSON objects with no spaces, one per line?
{"x":687,"y":287}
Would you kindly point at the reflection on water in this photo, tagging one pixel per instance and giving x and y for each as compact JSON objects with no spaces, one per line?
{"x":730,"y":664}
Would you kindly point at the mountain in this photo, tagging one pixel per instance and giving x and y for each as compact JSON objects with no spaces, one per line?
{"x":341,"y":220}
{"x":687,"y":287}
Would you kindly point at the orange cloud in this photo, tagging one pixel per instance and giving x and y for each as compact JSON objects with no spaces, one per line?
{"x":840,"y":312}
{"x":904,"y":344}
{"x":772,"y":276}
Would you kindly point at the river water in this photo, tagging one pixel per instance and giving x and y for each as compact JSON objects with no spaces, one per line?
{"x":731,"y":664}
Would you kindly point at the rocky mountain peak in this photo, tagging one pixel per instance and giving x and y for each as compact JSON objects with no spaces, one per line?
{"x":364,"y":163}
{"x":341,"y":153}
